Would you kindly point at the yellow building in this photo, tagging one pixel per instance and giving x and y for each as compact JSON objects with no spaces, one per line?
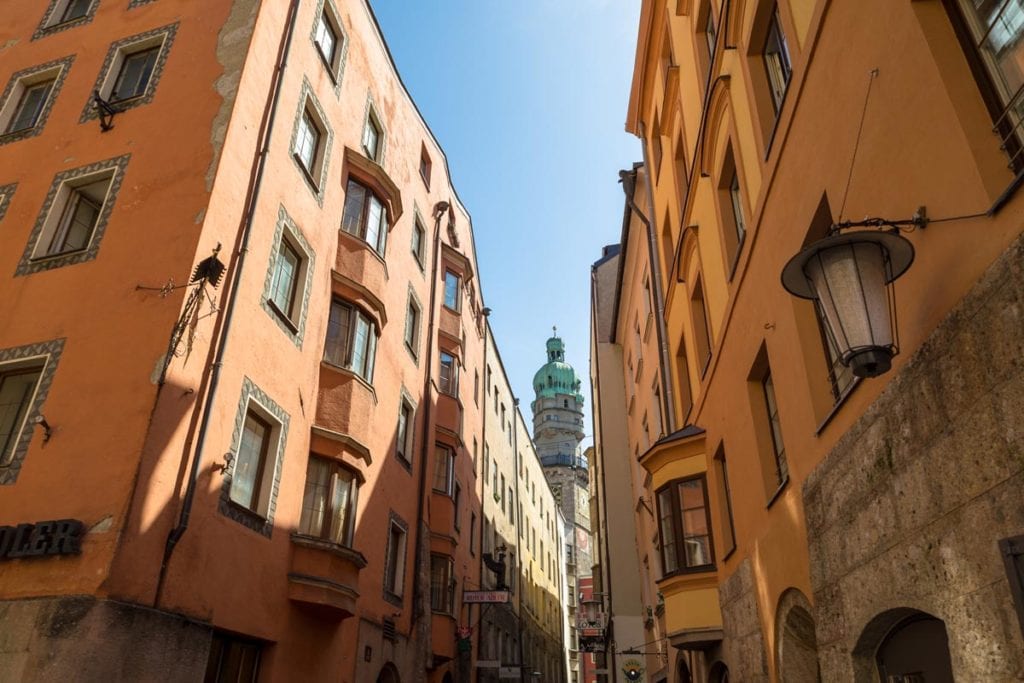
{"x":861,"y":449}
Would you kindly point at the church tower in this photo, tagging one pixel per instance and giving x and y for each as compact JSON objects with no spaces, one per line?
{"x":557,"y":433}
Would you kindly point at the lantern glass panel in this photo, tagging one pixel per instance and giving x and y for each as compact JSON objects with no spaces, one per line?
{"x":850,"y":280}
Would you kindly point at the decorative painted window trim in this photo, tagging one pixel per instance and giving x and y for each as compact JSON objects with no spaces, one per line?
{"x":394,"y":598}
{"x":28,"y":265}
{"x":248,"y":518}
{"x":6,"y":192}
{"x":50,"y":351}
{"x":337,"y":71}
{"x":414,"y":351}
{"x":105,"y":80}
{"x":372,"y":110}
{"x":64,"y":65}
{"x":45,"y":28}
{"x":316,"y":185}
{"x":138,"y":3}
{"x":297,"y":239}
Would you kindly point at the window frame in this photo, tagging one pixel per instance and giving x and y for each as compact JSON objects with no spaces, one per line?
{"x":419,"y":233}
{"x":372,"y":120}
{"x":413,"y":325}
{"x":152,"y":54}
{"x":406,"y":444}
{"x":362,"y":225}
{"x":679,"y":531}
{"x":448,"y":453}
{"x":426,"y":166}
{"x":327,"y":12}
{"x":448,"y":576}
{"x":54,"y":73}
{"x":777,"y":443}
{"x":53,"y":20}
{"x":457,"y":291}
{"x":309,"y":109}
{"x":702,"y":332}
{"x":161,"y":38}
{"x":46,"y":356}
{"x":775,"y":29}
{"x":395,"y":561}
{"x":220,"y":653}
{"x":328,"y":515}
{"x":449,"y":385}
{"x":292,"y":323}
{"x":348,"y":344}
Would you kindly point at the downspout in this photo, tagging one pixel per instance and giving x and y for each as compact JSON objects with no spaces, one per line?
{"x":629,"y":187}
{"x":603,"y":496}
{"x":483,"y":483}
{"x":519,"y":521}
{"x":259,"y":164}
{"x":439,"y":210}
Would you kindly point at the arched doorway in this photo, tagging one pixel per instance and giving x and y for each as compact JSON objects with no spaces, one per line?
{"x":719,"y":673}
{"x":389,"y":674}
{"x":683,"y":672}
{"x":796,"y":651}
{"x":917,"y":649}
{"x":903,"y":645}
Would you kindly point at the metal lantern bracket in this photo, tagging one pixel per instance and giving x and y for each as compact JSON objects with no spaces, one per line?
{"x":105,"y":110}
{"x":919,"y":221}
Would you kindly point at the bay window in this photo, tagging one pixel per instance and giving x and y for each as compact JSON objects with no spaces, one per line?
{"x":351,"y":339}
{"x":684,"y":526}
{"x":365,"y":216}
{"x":329,"y":502}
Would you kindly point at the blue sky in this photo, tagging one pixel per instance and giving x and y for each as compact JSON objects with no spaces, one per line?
{"x":528,"y":100}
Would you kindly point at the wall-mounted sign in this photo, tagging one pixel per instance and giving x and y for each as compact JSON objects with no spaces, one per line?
{"x":485,"y":596}
{"x":56,"y":537}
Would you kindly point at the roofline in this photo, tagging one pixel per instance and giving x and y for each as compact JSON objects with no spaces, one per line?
{"x":627,"y":215}
{"x":635,"y":94}
{"x":433,"y":137}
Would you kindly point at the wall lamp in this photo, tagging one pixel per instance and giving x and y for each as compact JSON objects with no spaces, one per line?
{"x":47,"y":429}
{"x":849,"y":276}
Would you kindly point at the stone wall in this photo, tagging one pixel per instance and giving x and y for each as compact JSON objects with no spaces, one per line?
{"x":906,"y":511}
{"x":85,"y":639}
{"x":743,"y":645}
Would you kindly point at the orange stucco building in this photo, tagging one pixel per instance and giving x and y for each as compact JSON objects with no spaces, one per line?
{"x":242,"y":351}
{"x":866,"y":519}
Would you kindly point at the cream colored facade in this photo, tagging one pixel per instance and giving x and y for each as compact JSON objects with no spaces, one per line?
{"x":519,"y":519}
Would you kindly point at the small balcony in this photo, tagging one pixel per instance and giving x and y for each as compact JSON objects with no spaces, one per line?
{"x":324,"y":576}
{"x":361,"y":265}
{"x":449,"y":414}
{"x":450,"y":324}
{"x":693,"y":616}
{"x":345,"y":402}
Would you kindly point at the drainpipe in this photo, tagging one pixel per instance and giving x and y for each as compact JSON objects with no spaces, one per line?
{"x":518,"y":525}
{"x":440,"y":209}
{"x":629,"y":187}
{"x":259,"y":164}
{"x":483,"y":483}
{"x":603,"y":499}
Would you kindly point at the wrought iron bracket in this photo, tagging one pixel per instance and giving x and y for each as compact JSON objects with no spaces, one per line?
{"x":105,"y":110}
{"x":919,"y":221}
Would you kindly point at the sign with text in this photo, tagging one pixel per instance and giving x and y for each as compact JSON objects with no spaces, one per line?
{"x":55,"y":537}
{"x":470,"y":597}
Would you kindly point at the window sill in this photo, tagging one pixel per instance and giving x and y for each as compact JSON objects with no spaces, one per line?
{"x":394,"y":598}
{"x":60,"y":254}
{"x":412,"y":352}
{"x":61,"y":25}
{"x":837,"y":406}
{"x":702,"y":569}
{"x":127,"y":101}
{"x":20,"y":132}
{"x":330,"y":68}
{"x":405,"y":462}
{"x":778,"y":492}
{"x":248,"y":512}
{"x":730,"y":553}
{"x":283,"y":317}
{"x":306,"y":174}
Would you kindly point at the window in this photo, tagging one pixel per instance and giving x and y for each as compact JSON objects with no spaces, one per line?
{"x":307,"y":143}
{"x":701,"y":328}
{"x":444,"y":469}
{"x":476,"y":387}
{"x":330,"y":41}
{"x":656,"y":149}
{"x":456,"y":499}
{"x":736,"y":203}
{"x":684,"y":526}
{"x":329,"y":502}
{"x":30,"y":106}
{"x":77,"y":220}
{"x":351,"y":339}
{"x":501,"y":492}
{"x":286,"y":279}
{"x":250,"y":462}
{"x":425,"y":166}
{"x":131,"y":71}
{"x":776,"y":61}
{"x":372,"y":134}
{"x":133,"y":77}
{"x":232,"y":659}
{"x":412,"y":326}
{"x":725,"y":496}
{"x":17,"y":389}
{"x":419,"y":234}
{"x":365,"y":216}
{"x":992,"y":34}
{"x":772,"y":409}
{"x":394,"y":569}
{"x":442,"y":584}
{"x":404,"y":434}
{"x":1012,"y":550}
{"x":472,"y":533}
{"x":451,"y":290}
{"x":449,"y":374}
{"x":75,"y":9}
{"x":710,"y":38}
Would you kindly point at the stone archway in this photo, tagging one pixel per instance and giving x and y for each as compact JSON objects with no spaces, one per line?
{"x":796,"y":646}
{"x":904,"y":645}
{"x":683,"y":671}
{"x":719,"y":673}
{"x":389,"y":674}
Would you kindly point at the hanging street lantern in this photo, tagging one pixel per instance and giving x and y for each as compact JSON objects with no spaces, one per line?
{"x":849,"y":276}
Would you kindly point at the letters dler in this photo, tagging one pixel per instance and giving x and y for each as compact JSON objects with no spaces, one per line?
{"x":56,"y":537}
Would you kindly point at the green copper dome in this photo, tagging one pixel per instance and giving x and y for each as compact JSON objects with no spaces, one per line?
{"x":556,"y":377}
